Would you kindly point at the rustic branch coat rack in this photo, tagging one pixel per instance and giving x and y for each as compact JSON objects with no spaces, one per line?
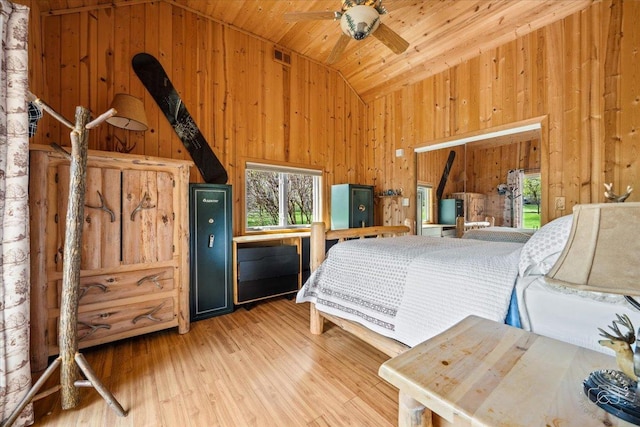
{"x":70,"y":359}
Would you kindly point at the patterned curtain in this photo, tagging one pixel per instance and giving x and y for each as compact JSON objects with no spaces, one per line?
{"x":15,"y":370}
{"x":513,"y":199}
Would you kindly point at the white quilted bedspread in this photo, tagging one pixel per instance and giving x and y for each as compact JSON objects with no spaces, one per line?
{"x":411,"y":288}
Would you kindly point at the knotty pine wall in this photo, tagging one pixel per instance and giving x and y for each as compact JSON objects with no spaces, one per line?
{"x":581,"y":73}
{"x":487,"y":167}
{"x":36,"y":66}
{"x":248,"y":106}
{"x":478,"y":167}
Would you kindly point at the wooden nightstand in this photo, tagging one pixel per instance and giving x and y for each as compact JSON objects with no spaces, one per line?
{"x":484,"y":373}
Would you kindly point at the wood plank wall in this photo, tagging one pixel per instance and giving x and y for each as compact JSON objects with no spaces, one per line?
{"x":429,"y":170}
{"x":478,"y":167}
{"x":581,"y":72}
{"x":248,"y":106}
{"x":36,"y":66}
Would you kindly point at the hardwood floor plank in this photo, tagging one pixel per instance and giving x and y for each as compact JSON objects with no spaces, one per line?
{"x":258,"y":367}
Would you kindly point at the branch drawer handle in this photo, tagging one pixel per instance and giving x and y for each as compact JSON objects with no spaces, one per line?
{"x":149,"y":315}
{"x":145,"y":203}
{"x":103,"y":207}
{"x":93,"y":328}
{"x":87,"y":288}
{"x":154,"y":278}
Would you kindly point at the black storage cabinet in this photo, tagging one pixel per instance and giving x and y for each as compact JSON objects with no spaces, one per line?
{"x":267,"y":271}
{"x":210,"y":220}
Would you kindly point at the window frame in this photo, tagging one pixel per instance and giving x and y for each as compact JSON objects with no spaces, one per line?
{"x":282,"y":168}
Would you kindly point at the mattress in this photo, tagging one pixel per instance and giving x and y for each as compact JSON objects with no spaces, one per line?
{"x":569,"y":315}
{"x":411,"y":288}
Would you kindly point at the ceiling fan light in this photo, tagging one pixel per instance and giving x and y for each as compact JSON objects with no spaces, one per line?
{"x":359,"y":21}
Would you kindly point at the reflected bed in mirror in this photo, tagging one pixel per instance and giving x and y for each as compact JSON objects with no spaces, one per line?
{"x":481,"y":163}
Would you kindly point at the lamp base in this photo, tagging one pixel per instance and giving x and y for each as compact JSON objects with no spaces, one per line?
{"x":614,"y":392}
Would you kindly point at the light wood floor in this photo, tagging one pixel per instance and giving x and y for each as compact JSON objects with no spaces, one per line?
{"x":259,"y":367}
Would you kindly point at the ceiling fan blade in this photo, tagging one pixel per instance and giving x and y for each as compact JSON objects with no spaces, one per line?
{"x":308,"y":16}
{"x":391,"y":39}
{"x":336,"y":53}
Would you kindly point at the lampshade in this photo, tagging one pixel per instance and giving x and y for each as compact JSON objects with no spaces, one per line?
{"x":603,"y":250}
{"x":359,"y":21}
{"x":129,"y":113}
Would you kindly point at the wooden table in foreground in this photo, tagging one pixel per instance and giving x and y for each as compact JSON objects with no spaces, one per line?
{"x":483,"y":373}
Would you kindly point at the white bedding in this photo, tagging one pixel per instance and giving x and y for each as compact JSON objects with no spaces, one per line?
{"x":420,"y":286}
{"x":569,"y":315}
{"x":424,"y":285}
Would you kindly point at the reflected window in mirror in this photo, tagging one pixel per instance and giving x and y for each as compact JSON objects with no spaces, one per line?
{"x":425,"y":205}
{"x":532,"y":194}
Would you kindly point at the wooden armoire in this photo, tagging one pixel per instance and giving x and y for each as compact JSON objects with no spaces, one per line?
{"x":134,"y":276}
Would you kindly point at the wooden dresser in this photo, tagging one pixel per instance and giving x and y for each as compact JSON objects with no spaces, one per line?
{"x":134,"y":276}
{"x":474,"y":205}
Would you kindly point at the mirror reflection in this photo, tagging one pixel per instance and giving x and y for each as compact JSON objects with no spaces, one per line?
{"x":494,"y":180}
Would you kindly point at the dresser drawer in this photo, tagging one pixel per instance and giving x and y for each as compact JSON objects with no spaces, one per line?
{"x":267,"y":262}
{"x":120,"y":321}
{"x":110,"y":287}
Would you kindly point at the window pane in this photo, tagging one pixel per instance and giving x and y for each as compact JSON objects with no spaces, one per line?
{"x":531,"y":196}
{"x":262,"y":202}
{"x":299,"y":199}
{"x":281,"y":198}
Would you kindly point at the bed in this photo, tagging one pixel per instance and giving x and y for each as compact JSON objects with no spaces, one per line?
{"x":462,"y":225}
{"x":491,"y":272}
{"x":389,"y":317}
{"x":554,"y":311}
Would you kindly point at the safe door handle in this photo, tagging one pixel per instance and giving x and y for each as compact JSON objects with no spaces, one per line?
{"x":211,"y":239}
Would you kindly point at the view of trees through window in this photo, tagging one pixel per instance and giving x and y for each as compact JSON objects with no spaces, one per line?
{"x":279,"y":199}
{"x":531,"y":193}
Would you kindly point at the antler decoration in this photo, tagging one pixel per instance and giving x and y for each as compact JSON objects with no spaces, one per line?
{"x":609,"y":194}
{"x":621,"y":344}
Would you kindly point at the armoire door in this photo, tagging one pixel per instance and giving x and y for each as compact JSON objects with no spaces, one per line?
{"x":210,"y":233}
{"x":101,"y":236}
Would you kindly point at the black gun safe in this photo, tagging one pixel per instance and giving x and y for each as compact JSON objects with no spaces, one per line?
{"x":210,"y":222}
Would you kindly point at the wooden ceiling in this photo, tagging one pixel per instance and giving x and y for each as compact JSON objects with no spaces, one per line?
{"x":441,"y":33}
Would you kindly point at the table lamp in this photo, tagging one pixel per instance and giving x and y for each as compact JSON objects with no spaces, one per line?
{"x":602,"y":254}
{"x":129,"y":114}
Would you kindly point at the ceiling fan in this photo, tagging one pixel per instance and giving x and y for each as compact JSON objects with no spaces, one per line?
{"x":358,"y":19}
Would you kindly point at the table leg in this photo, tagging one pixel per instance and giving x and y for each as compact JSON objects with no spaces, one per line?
{"x":412,"y":413}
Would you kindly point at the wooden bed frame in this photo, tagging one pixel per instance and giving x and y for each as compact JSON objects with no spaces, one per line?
{"x":419,"y":415}
{"x":319,"y":236}
{"x":462,"y":226}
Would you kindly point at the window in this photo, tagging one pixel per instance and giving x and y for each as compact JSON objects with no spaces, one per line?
{"x":425,"y":203}
{"x":531,"y":196}
{"x":281,"y":197}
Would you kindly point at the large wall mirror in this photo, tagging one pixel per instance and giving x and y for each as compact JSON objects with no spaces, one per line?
{"x":496,"y":173}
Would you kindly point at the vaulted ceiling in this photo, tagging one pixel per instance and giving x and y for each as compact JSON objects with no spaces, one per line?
{"x":441,"y":33}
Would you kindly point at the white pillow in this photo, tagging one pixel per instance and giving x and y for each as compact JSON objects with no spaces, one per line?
{"x":543,"y":249}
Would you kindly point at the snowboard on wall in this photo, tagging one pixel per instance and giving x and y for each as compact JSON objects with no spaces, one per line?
{"x":155,"y":80}
{"x":445,"y":174}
